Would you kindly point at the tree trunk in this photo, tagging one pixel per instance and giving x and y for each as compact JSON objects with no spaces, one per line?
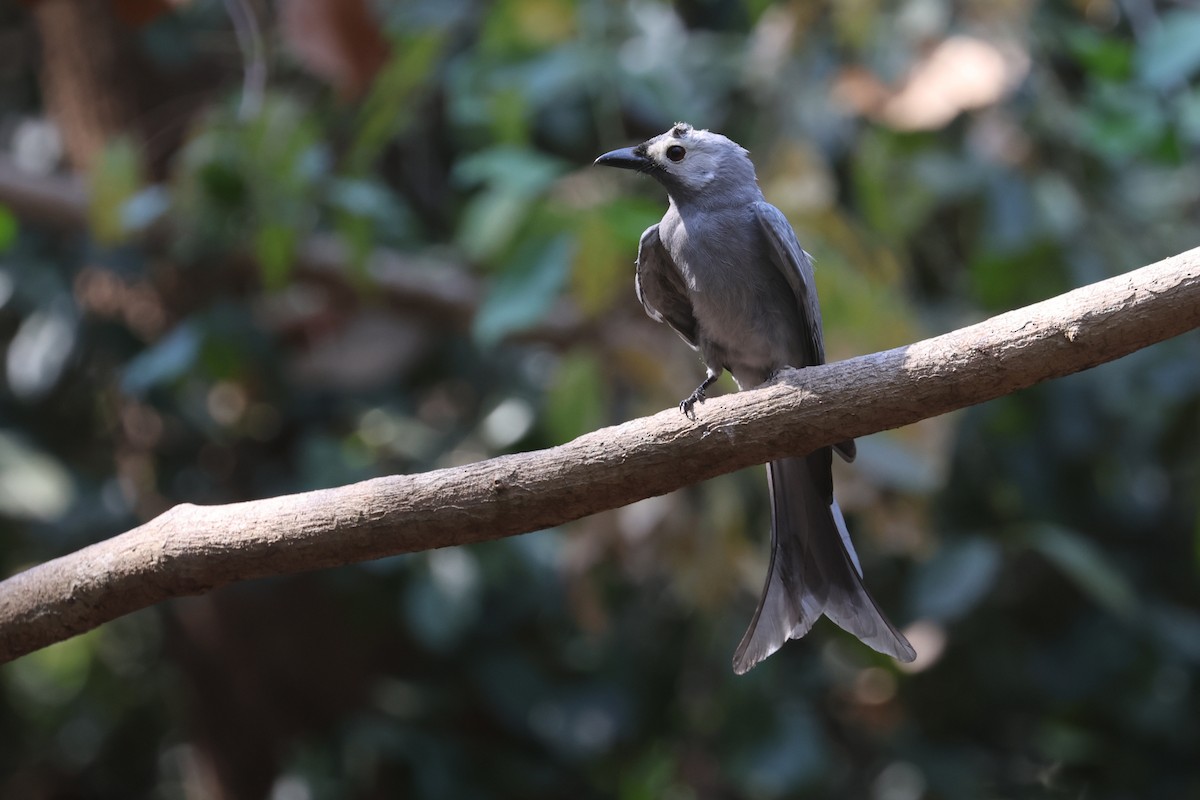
{"x":88,"y":74}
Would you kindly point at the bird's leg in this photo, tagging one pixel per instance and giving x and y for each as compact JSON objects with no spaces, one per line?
{"x":697,"y":396}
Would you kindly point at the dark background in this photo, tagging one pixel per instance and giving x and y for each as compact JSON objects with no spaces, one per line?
{"x":397,"y":257}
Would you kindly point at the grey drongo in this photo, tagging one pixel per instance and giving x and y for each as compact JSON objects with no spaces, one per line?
{"x":723,"y":268}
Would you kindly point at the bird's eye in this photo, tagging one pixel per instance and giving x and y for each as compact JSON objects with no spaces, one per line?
{"x":676,"y":153}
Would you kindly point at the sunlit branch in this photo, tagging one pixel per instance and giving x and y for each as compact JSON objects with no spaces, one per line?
{"x":193,"y":549}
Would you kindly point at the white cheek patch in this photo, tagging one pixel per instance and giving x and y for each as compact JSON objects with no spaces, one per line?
{"x":658,"y":150}
{"x":696,"y":170}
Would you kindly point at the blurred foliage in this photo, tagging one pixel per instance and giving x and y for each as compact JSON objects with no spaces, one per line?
{"x":1042,"y":551}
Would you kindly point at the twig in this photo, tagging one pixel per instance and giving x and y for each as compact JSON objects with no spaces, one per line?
{"x":254,"y":67}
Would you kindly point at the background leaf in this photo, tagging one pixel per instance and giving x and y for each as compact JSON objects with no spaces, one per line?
{"x":1171,"y":53}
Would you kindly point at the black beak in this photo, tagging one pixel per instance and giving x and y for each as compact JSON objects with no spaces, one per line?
{"x":625,"y":158}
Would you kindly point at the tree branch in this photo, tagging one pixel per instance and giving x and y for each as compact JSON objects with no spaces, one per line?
{"x":193,"y":549}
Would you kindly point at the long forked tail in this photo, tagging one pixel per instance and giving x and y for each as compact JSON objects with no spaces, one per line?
{"x":814,"y":569}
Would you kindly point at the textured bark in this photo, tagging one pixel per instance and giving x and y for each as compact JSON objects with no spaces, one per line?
{"x":192,"y":549}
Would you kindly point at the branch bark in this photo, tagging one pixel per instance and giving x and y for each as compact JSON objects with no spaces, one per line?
{"x":193,"y":549}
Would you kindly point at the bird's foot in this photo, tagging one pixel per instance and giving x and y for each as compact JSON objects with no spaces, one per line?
{"x":689,"y":403}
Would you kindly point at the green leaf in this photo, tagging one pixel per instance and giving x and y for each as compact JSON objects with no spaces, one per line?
{"x":958,"y":576}
{"x":1120,"y":123}
{"x":1170,"y":55}
{"x":513,"y":178}
{"x":1086,"y":565}
{"x":1004,"y":279}
{"x":1104,"y":56}
{"x":892,"y":464}
{"x":55,"y":675}
{"x":1178,"y":628}
{"x":145,"y":208}
{"x":577,"y":400}
{"x":525,"y":291}
{"x":366,"y":199}
{"x":490,"y":222}
{"x":651,"y":776}
{"x":442,"y":602}
{"x":113,"y":180}
{"x":167,"y":360}
{"x":791,"y":757}
{"x":33,"y":484}
{"x":1061,"y":742}
{"x":275,"y":247}
{"x":223,"y":185}
{"x":888,"y":166}
{"x":389,"y":107}
{"x":41,"y":349}
{"x":602,"y":272}
{"x":8,"y":229}
{"x":518,"y":169}
{"x":1187,"y":109}
{"x":237,"y":178}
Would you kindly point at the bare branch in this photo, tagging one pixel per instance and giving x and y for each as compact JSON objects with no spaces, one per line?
{"x":57,"y":201}
{"x":193,"y":549}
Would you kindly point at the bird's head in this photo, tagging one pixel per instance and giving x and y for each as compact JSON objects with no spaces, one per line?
{"x":690,"y":163}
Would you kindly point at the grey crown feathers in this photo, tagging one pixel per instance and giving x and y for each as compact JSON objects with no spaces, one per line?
{"x":723,"y":268}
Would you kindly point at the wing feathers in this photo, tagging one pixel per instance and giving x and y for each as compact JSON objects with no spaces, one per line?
{"x":797,"y":267}
{"x":660,"y":287}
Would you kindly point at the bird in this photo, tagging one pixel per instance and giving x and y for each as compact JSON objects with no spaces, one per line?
{"x":724,"y":269}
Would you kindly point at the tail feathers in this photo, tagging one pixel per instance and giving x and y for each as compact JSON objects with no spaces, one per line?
{"x":814,"y":570}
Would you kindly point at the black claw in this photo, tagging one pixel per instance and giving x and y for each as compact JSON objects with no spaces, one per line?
{"x":689,"y":404}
